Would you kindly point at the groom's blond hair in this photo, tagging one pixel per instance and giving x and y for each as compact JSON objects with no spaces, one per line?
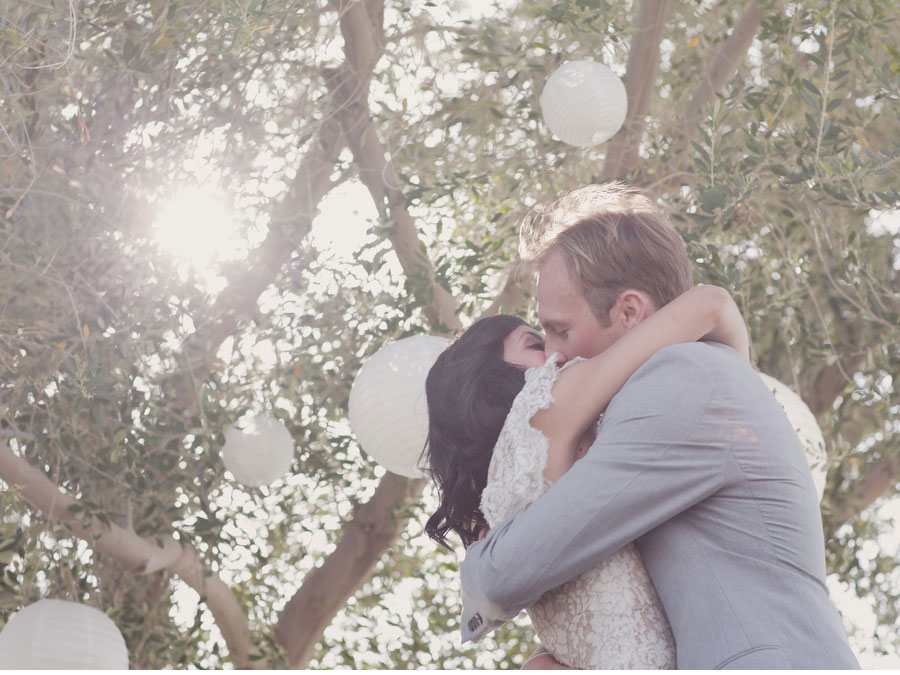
{"x":612,"y":238}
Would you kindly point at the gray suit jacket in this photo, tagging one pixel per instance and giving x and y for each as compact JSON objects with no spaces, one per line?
{"x":697,"y":463}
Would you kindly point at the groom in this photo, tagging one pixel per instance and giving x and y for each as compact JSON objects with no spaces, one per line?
{"x":694,"y":461}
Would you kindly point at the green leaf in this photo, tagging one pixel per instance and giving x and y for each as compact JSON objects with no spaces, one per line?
{"x":811,"y":87}
{"x":807,"y":99}
{"x":714,"y":197}
{"x":700,"y":150}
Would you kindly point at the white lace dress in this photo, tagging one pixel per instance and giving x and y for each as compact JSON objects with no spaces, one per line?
{"x":608,"y":618}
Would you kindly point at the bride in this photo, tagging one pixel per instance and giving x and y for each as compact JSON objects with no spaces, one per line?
{"x":506,"y":421}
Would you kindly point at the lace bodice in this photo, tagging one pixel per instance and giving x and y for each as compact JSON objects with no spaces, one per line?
{"x":609,"y":617}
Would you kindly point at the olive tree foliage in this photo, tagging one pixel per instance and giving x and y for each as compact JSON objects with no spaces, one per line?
{"x":768,"y":130}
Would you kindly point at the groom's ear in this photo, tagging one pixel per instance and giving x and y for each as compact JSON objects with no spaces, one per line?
{"x":632,"y":307}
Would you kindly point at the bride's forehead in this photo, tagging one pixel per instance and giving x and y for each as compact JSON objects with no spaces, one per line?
{"x":520,"y":341}
{"x":524,"y":330}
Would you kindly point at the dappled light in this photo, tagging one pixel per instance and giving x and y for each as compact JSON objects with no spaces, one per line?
{"x":196,"y":226}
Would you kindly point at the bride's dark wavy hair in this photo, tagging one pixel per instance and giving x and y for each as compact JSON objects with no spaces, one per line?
{"x":469,"y":390}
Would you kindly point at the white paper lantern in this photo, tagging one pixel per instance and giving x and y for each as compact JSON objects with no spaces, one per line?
{"x":806,"y":426}
{"x":388,"y":411}
{"x":584,"y":103}
{"x":260,"y":452}
{"x":61,"y":635}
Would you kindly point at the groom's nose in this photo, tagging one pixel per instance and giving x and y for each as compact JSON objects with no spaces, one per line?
{"x":551,"y":346}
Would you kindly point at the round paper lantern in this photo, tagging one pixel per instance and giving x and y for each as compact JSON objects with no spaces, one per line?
{"x":388,"y":411}
{"x":584,"y":103}
{"x":61,"y":635}
{"x":260,"y":452}
{"x":806,"y":426}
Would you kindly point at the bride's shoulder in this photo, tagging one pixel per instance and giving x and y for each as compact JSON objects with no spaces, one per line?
{"x":552,"y":364}
{"x":547,"y":374}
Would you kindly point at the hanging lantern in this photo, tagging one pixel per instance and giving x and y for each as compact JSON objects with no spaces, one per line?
{"x":388,"y":411}
{"x":584,"y":103}
{"x":62,"y":635}
{"x":806,"y":426}
{"x":260,"y":452}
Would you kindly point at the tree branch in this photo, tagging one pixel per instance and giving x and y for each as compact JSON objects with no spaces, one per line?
{"x":362,"y":27}
{"x":828,"y":383}
{"x":881,"y":477}
{"x":291,"y":221}
{"x":376,"y":524}
{"x":138,"y":554}
{"x":640,"y":80}
{"x":723,"y":65}
{"x":379,"y":176}
{"x":514,"y":293}
{"x":349,"y":87}
{"x":374,"y":528}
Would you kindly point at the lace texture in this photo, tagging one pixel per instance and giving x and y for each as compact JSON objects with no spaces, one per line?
{"x":609,"y":617}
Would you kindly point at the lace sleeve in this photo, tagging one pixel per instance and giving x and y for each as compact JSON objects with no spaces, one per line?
{"x":516,"y":473}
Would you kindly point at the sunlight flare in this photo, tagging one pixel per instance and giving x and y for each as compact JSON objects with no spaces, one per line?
{"x":196,"y":226}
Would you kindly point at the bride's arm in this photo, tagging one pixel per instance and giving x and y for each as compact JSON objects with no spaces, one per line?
{"x":583,"y":390}
{"x":542,"y":659}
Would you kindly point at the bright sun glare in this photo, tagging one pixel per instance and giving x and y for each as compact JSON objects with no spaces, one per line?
{"x":196,"y":226}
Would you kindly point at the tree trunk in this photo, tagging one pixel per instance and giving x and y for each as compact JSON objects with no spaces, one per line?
{"x":364,"y":539}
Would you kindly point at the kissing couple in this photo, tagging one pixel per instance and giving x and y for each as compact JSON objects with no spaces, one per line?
{"x":626,"y":475}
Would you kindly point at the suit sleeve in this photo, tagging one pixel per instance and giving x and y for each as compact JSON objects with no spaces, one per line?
{"x":660,"y":449}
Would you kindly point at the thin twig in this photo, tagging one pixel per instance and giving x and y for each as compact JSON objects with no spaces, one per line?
{"x":73,"y":23}
{"x":828,"y":65}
